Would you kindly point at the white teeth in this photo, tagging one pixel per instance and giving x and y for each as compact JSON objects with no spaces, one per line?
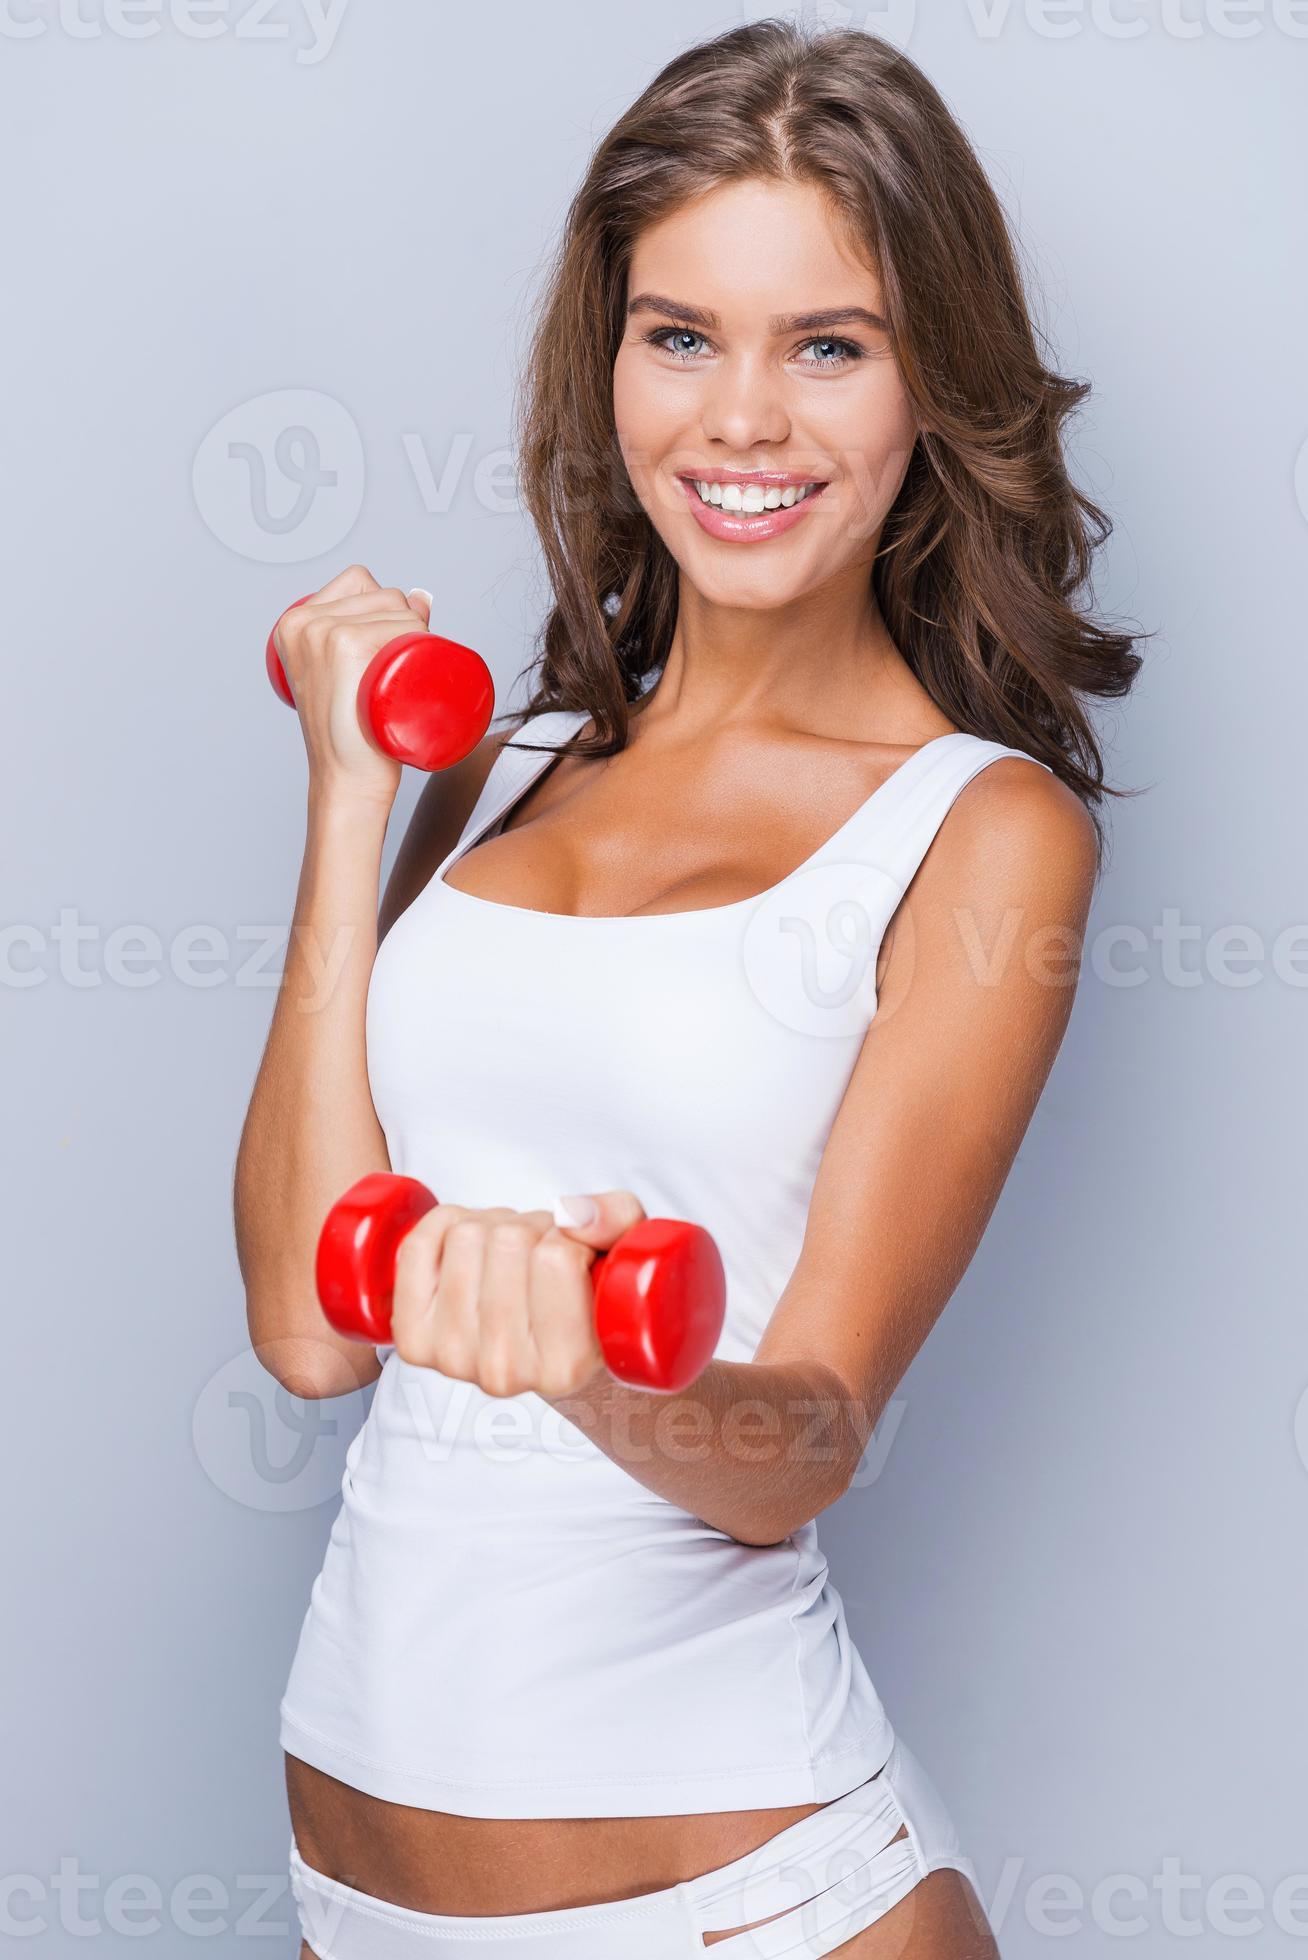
{"x":753,"y":497}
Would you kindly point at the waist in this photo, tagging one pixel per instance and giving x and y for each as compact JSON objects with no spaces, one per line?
{"x":434,"y":1861}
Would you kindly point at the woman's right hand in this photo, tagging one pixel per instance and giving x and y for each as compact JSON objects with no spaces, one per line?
{"x":325,"y":646}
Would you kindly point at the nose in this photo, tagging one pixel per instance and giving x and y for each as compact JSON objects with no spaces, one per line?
{"x":743,"y":404}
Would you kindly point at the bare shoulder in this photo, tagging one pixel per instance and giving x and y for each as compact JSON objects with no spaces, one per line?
{"x":444,"y":805}
{"x":1018,"y":828}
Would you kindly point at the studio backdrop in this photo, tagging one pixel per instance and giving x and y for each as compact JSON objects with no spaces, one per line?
{"x":269,"y":273}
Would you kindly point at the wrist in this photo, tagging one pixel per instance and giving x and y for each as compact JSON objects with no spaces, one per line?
{"x":334,"y":801}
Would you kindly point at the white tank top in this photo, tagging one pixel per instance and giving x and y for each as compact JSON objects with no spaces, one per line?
{"x":507,"y":1623}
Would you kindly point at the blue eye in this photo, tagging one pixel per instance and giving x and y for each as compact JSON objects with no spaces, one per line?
{"x":829,"y":340}
{"x":661,"y":334}
{"x":848,"y":353}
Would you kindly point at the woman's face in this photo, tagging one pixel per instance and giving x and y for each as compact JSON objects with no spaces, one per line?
{"x":755,"y":349}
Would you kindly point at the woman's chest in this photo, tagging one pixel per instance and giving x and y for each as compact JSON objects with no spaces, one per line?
{"x":627,"y":836}
{"x":678,"y":1050}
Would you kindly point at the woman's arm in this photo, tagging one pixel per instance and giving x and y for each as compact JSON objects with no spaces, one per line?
{"x":311,"y":1129}
{"x":976,"y":986}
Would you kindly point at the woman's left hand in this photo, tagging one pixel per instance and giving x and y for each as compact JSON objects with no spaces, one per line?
{"x":504,"y":1298}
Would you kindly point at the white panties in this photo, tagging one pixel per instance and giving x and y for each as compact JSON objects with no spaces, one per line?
{"x":827,"y":1877}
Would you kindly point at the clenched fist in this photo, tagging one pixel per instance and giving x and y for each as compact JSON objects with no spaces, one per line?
{"x":504,"y":1298}
{"x":325,"y":646}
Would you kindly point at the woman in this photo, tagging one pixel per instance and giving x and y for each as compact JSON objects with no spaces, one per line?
{"x":767,"y":917}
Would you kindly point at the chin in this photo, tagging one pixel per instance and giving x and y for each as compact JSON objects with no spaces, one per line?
{"x":746,"y":592}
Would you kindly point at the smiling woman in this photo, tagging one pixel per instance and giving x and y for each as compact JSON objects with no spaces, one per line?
{"x":822,"y":245}
{"x":810,"y":695}
{"x":735,"y":504}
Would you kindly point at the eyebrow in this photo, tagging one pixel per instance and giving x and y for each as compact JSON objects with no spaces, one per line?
{"x":778,"y":323}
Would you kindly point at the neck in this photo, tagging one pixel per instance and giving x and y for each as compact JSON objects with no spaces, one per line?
{"x":823,"y":665}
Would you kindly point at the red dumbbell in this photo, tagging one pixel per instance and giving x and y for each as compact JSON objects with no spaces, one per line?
{"x":425,"y":700}
{"x":660,"y":1292}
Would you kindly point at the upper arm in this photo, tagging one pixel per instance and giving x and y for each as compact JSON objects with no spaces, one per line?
{"x":979,"y":978}
{"x":444,"y":805}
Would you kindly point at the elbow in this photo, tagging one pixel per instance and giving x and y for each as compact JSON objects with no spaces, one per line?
{"x":777,"y":1529}
{"x":782,"y":1521}
{"x":311,"y":1366}
{"x":294,"y":1365}
{"x":301,"y":1379}
{"x":763,"y":1540}
{"x":313,"y":1373}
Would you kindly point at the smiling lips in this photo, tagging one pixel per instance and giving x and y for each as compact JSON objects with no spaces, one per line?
{"x":749,"y":507}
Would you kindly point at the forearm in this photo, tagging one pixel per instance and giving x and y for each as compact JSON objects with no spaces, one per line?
{"x":754,"y":1449}
{"x":311,"y":1129}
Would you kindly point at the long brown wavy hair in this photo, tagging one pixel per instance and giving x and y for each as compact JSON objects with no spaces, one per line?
{"x":983,"y":566}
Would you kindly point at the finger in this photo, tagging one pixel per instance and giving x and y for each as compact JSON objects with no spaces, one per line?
{"x":355,"y":578}
{"x":317,"y":627}
{"x":381,"y":599}
{"x":413,"y":1293}
{"x":421,"y":601}
{"x":454,"y":1340}
{"x":352,"y":638}
{"x":562,"y":1312}
{"x":507,"y":1361}
{"x":350,"y":624}
{"x":421,"y":1327}
{"x":598,"y":1218}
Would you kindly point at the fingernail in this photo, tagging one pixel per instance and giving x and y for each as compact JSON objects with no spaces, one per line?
{"x":421,"y":592}
{"x":575,"y":1211}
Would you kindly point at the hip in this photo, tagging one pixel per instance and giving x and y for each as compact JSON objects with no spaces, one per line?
{"x":815,"y":1883}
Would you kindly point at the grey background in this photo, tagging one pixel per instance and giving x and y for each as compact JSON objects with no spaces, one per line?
{"x":1076,"y":1567}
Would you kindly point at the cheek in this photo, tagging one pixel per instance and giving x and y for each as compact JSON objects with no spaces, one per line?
{"x":630,"y":419}
{"x":873,"y":440}
{"x":659,"y":403}
{"x":635,"y":393}
{"x":651,"y":419}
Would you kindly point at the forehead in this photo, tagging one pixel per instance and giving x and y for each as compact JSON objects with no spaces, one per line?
{"x":753,"y":247}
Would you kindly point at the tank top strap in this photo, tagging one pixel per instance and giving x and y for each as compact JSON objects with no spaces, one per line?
{"x":893,"y":830}
{"x":514,"y":766}
{"x":512,"y":770}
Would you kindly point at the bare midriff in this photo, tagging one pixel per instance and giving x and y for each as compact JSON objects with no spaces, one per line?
{"x":436,"y":1861}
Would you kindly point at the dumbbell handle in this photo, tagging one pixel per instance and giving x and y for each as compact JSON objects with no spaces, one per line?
{"x":660,"y":1291}
{"x":424,"y":700}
